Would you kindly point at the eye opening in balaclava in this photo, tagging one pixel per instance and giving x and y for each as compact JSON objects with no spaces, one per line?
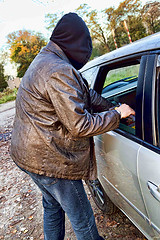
{"x":72,"y":36}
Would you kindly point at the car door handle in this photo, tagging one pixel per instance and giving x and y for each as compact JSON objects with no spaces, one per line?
{"x":154,"y":190}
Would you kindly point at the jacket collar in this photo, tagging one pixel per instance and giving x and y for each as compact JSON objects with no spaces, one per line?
{"x":53,"y":47}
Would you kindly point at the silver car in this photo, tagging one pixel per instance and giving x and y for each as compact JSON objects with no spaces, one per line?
{"x":128,"y":158}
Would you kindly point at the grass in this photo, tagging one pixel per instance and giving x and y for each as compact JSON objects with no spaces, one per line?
{"x":8,"y":95}
{"x":121,"y":73}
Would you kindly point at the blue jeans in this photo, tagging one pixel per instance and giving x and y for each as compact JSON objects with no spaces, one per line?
{"x":62,"y":196}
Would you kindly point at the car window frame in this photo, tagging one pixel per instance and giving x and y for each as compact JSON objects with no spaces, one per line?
{"x":149,"y":95}
{"x":157,"y":103}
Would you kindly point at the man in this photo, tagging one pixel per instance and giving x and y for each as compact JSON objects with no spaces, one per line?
{"x":53,"y":128}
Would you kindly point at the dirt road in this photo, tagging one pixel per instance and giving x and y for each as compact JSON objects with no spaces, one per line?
{"x":20,"y":199}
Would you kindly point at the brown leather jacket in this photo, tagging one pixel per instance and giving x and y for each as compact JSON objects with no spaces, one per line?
{"x":53,"y":126}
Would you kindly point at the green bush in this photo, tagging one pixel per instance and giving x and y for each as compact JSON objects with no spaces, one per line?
{"x":8,"y":95}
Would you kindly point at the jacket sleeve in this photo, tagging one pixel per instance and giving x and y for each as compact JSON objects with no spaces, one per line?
{"x":99,"y":103}
{"x":68,"y":98}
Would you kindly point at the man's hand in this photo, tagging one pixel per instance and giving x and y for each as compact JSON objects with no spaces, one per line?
{"x":125,"y":110}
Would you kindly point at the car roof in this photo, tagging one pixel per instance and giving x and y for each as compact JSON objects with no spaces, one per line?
{"x":148,"y":43}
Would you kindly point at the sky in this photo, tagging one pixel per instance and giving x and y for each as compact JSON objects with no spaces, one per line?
{"x":30,"y":14}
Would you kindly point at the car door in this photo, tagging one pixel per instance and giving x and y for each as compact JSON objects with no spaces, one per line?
{"x":117,"y":151}
{"x":149,"y":175}
{"x":149,"y":153}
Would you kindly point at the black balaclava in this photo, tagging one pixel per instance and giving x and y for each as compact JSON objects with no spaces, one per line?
{"x":72,"y":36}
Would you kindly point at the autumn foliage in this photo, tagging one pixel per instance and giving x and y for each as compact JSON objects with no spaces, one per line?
{"x":107,"y":26}
{"x":24,"y":46}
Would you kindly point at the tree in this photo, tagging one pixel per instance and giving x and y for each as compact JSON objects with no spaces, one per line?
{"x":24,"y":46}
{"x":98,"y":50}
{"x":130,"y":11}
{"x":3,"y":56}
{"x":125,"y":9}
{"x":98,"y":32}
{"x":92,"y":19}
{"x":136,"y":27}
{"x":102,"y":23}
{"x":52,"y":19}
{"x":151,"y":16}
{"x":3,"y":82}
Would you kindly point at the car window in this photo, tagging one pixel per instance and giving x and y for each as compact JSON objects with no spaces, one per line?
{"x":120,"y":87}
{"x":120,"y":77}
{"x":90,"y":75}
